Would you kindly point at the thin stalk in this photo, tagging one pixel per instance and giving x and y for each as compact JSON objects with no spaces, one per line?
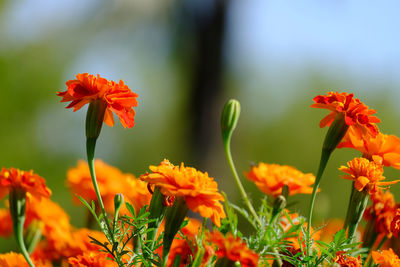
{"x":357,"y":204}
{"x":17,"y":208}
{"x":237,"y":180}
{"x":381,"y":243}
{"x":322,"y":165}
{"x":90,"y":149}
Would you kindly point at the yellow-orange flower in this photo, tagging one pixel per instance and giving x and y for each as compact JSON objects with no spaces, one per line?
{"x":346,"y":260}
{"x":111,"y":181}
{"x":356,"y":114}
{"x":117,"y":96}
{"x":382,"y":149}
{"x":92,"y":259}
{"x":23,"y":180}
{"x":386,"y":258}
{"x":12,"y":259}
{"x":270,"y":179}
{"x":198,"y":189}
{"x":233,"y":248}
{"x":365,"y":174}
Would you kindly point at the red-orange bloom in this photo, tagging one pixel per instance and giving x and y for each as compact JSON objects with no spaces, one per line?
{"x":6,"y":226}
{"x":365,"y":174}
{"x":382,"y":149}
{"x":270,"y":179}
{"x":111,"y":181}
{"x":233,"y":248}
{"x":356,"y":114}
{"x":386,"y":258}
{"x":117,"y":96}
{"x":23,"y":180}
{"x":92,"y":259}
{"x":382,"y":211}
{"x":347,"y":261}
{"x":395,"y":224}
{"x":198,"y":189}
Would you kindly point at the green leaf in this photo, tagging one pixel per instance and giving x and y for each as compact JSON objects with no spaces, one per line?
{"x":339,"y":237}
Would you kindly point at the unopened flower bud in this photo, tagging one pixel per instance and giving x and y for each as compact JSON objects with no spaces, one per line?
{"x":229,"y":117}
{"x":118,"y":202}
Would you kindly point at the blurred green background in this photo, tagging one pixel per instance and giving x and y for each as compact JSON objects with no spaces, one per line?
{"x":185,"y":59}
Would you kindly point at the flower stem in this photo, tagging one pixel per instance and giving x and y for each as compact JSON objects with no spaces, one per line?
{"x":335,"y":134}
{"x":17,"y":209}
{"x":357,"y":204}
{"x":322,"y":165}
{"x":90,"y":149}
{"x":173,"y":221}
{"x":237,"y":179}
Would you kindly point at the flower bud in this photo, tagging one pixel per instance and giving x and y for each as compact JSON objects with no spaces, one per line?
{"x":229,"y":117}
{"x":118,"y":202}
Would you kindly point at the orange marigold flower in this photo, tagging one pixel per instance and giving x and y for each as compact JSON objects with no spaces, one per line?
{"x":117,"y":96}
{"x":23,"y":180}
{"x":386,"y":258}
{"x":271,"y":178}
{"x":382,"y":211}
{"x":73,"y":243}
{"x":382,"y":149}
{"x":357,"y":115}
{"x":12,"y":259}
{"x":395,"y":224}
{"x":366,"y":174}
{"x":347,"y":261}
{"x":91,"y":259}
{"x":53,"y":220}
{"x":198,"y":189}
{"x":233,"y":248}
{"x":111,"y":181}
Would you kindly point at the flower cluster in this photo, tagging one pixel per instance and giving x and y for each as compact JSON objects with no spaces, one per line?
{"x":145,"y":221}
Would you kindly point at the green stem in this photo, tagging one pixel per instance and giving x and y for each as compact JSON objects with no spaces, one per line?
{"x":357,"y":204}
{"x":237,"y":180}
{"x":322,"y":165}
{"x":32,"y":236}
{"x":370,"y":235}
{"x":173,"y":221}
{"x":381,"y":243}
{"x":90,"y":149}
{"x":157,"y":212}
{"x":17,"y":208}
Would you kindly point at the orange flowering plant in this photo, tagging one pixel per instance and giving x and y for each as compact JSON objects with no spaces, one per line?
{"x":143,"y":220}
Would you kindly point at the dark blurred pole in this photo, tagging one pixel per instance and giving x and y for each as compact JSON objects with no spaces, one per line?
{"x":205,"y":24}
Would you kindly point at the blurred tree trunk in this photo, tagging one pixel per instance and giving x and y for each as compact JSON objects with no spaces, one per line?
{"x":205,"y":23}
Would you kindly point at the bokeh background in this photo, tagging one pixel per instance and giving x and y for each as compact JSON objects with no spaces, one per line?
{"x":185,"y":59}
